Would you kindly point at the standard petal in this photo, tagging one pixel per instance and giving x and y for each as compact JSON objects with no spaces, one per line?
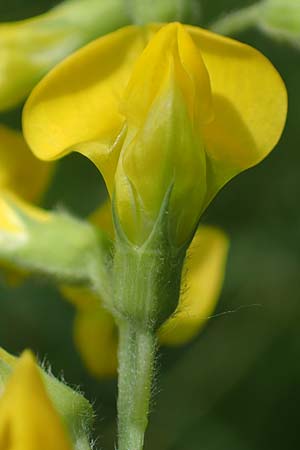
{"x":78,"y":105}
{"x":250,"y":106}
{"x":78,"y":101}
{"x":205,"y":269}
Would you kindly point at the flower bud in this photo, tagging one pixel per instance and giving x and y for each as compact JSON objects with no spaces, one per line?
{"x":28,"y":419}
{"x":35,"y":404}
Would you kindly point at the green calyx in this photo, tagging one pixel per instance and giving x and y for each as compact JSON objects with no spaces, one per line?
{"x":146,"y":278}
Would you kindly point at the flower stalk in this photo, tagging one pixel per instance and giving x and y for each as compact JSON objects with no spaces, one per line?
{"x":137,"y":350}
{"x":146,"y":292}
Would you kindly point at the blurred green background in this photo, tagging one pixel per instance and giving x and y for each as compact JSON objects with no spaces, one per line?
{"x":236,"y":387}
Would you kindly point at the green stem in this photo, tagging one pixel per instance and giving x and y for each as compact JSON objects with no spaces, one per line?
{"x":237,"y":21}
{"x":146,"y":283}
{"x":136,"y":367}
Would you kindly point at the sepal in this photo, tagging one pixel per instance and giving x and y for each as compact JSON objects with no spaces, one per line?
{"x":146,"y":278}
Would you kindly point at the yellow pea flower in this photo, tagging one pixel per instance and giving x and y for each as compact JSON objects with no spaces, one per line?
{"x":198,"y":106}
{"x":28,"y":420}
{"x":192,"y":107}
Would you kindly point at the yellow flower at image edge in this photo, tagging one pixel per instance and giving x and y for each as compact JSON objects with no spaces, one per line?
{"x":160,"y":109}
{"x":28,"y":420}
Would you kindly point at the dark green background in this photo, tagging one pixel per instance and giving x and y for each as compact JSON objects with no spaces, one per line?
{"x":236,"y":387}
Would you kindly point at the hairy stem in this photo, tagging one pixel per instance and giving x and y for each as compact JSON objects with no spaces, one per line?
{"x":136,"y":367}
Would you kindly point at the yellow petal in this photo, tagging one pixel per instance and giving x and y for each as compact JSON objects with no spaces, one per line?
{"x":95,"y":332}
{"x":204,"y":268}
{"x":250,"y":106}
{"x":30,"y":48}
{"x":20,"y":171}
{"x":28,"y":420}
{"x":79,"y":100}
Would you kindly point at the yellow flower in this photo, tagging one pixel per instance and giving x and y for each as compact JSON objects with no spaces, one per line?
{"x":28,"y":420}
{"x":160,"y":109}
